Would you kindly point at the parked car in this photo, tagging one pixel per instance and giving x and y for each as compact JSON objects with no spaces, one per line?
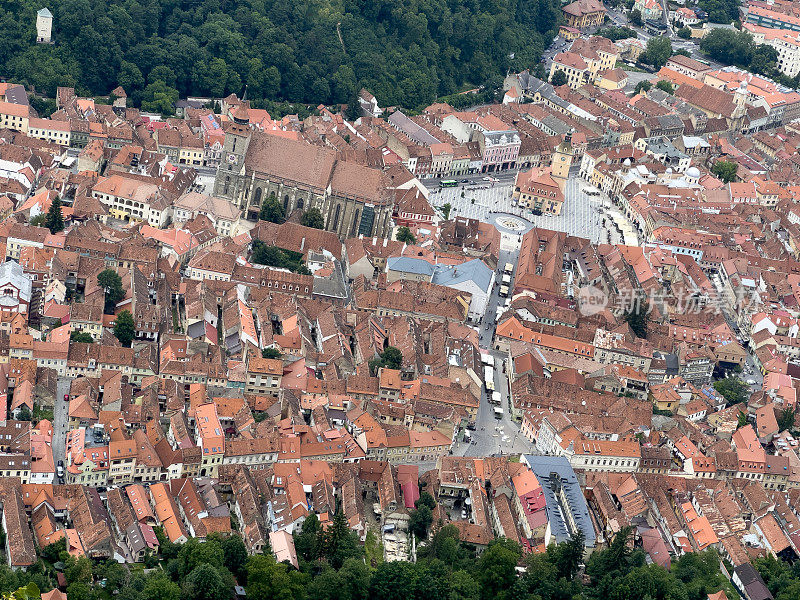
{"x":66,"y":397}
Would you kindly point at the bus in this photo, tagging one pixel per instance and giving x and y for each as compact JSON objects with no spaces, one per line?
{"x":488,"y":379}
{"x":448,"y":183}
{"x":487,"y":359}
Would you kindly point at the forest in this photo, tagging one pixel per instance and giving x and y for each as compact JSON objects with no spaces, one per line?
{"x":333,"y":565}
{"x":316,"y":51}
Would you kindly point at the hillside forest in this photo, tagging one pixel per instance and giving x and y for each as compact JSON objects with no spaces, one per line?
{"x":317,"y":51}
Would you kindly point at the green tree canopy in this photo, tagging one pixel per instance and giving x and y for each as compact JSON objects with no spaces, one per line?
{"x":665,"y":86}
{"x":271,"y":353}
{"x":725,"y":170}
{"x":658,"y":51}
{"x":124,"y":328}
{"x":54,"y":221}
{"x":272,"y":210}
{"x":81,"y":337}
{"x":558,"y":78}
{"x":111,"y":282}
{"x":313,"y":218}
{"x":733,"y":389}
{"x":404,"y":235}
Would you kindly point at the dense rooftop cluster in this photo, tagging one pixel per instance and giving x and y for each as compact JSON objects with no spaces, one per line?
{"x":306,"y":335}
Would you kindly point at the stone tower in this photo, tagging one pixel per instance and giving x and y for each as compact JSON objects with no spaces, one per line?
{"x":44,"y":26}
{"x":562,"y":160}
{"x":230,"y":180}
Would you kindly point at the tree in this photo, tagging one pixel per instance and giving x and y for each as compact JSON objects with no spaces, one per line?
{"x":111,"y":282}
{"x":558,"y":78}
{"x":636,"y":317}
{"x":353,"y":112}
{"x":738,"y":48}
{"x":390,"y":358}
{"x":616,"y":33}
{"x":497,"y":567}
{"x":78,"y":570}
{"x":786,"y":418}
{"x":741,"y":420}
{"x":726,"y":170}
{"x":159,"y":98}
{"x":658,"y":51}
{"x":81,"y":337}
{"x":160,"y":587}
{"x":684,"y":33}
{"x":38,"y":220}
{"x":234,"y":555}
{"x":642,"y":86}
{"x":339,"y":542}
{"x":54,"y":221}
{"x":446,"y":207}
{"x":420,"y":521}
{"x":24,"y":414}
{"x":425,"y":499}
{"x":313,"y":218}
{"x":124,"y":328}
{"x":269,"y":579}
{"x":194,"y":553}
{"x":636,"y":17}
{"x":404,"y":235}
{"x":665,"y":86}
{"x":205,"y":583}
{"x":307,"y":541}
{"x":733,"y":390}
{"x":271,"y":353}
{"x":272,"y":210}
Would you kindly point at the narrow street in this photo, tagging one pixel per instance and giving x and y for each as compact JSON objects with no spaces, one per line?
{"x":60,"y":419}
{"x":494,"y":436}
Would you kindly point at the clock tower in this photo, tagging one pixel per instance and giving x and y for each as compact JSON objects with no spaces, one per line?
{"x":562,"y":161}
{"x":230,"y":180}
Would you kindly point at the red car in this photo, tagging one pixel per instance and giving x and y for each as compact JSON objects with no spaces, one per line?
{"x":66,"y":397}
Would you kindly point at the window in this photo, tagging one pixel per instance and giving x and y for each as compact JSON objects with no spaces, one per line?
{"x":257,"y":197}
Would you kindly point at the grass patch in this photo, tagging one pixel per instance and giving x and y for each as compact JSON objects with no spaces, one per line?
{"x":626,"y":67}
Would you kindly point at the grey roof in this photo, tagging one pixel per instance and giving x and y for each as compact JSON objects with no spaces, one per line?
{"x":333,"y":286}
{"x":754,"y":586}
{"x":556,"y":125}
{"x":134,"y":537}
{"x":45,"y":13}
{"x":416,"y":132}
{"x":11,"y":272}
{"x":407,"y":264}
{"x":16,"y":94}
{"x":554,"y":471}
{"x":472,"y":270}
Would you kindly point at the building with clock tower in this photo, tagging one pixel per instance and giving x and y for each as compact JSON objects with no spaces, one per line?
{"x":230,"y":178}
{"x":352,"y":198}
